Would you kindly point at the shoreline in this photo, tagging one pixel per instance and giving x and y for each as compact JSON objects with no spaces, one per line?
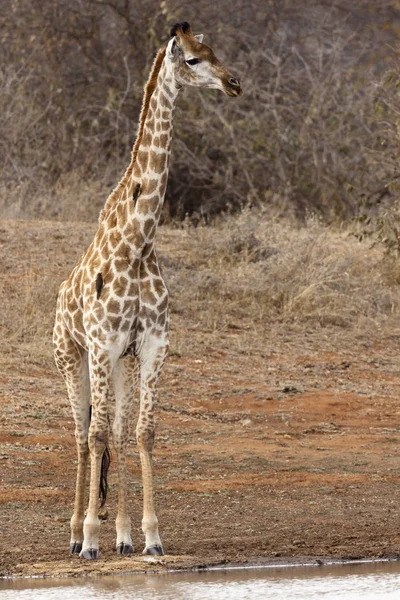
{"x":160,"y":566}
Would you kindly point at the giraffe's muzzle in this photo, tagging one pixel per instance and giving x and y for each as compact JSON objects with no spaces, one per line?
{"x":232,"y":87}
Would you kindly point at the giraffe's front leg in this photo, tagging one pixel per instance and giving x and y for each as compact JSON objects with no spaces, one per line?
{"x":125,"y":379}
{"x":100,"y":369}
{"x":152,"y":358}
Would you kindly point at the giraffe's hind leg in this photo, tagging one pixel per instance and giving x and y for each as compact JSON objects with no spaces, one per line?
{"x":125,"y":381}
{"x":152,"y":355}
{"x":72,"y":363}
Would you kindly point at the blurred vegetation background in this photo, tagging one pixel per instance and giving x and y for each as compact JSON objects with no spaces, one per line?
{"x":316,"y":131}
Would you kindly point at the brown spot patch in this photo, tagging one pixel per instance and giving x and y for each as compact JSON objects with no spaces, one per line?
{"x":120,"y":286}
{"x":78,"y":322}
{"x":165,"y":102}
{"x":148,"y":227}
{"x":104,"y":250}
{"x":147,"y":205}
{"x":133,"y":290}
{"x":147,"y":250}
{"x":150,"y":186}
{"x":127,"y":305}
{"x":115,"y":322}
{"x":114,"y":238}
{"x":113,"y":306}
{"x":159,"y":286}
{"x":152,"y":315}
{"x":98,"y":312}
{"x":162,"y":318}
{"x":163,"y":304}
{"x":132,"y":229}
{"x":146,"y":139}
{"x":137,"y":171}
{"x":131,"y":310}
{"x":122,"y":213}
{"x":111,"y":219}
{"x":152,"y":266}
{"x":124,"y":251}
{"x":158,"y":162}
{"x":126,"y":325}
{"x":72,"y":304}
{"x":120,"y":265}
{"x":147,"y":296}
{"x":143,"y":159}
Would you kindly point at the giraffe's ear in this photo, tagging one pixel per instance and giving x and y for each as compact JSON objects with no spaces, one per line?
{"x":199,"y":37}
{"x":172,"y":49}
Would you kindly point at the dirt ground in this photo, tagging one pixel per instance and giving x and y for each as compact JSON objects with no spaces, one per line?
{"x":273,"y":442}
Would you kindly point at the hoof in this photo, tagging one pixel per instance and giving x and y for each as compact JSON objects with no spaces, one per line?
{"x":75,"y":547}
{"x":154,"y":551}
{"x":124,"y":548}
{"x":90,"y":554}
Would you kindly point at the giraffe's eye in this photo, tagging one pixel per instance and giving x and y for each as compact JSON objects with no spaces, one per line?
{"x":193,"y":61}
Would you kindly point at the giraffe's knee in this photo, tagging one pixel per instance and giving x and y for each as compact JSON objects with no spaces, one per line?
{"x":121,"y":426}
{"x":145,"y":436}
{"x":120,"y":440}
{"x":81,"y":429}
{"x":82,"y":446}
{"x":98,"y":441}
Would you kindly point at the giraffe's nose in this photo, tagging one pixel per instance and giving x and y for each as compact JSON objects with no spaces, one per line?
{"x":233,"y":87}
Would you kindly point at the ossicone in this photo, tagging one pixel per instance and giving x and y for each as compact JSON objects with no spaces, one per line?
{"x":184,"y":27}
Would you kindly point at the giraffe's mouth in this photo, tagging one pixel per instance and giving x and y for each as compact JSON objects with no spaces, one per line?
{"x":233,"y":93}
{"x":233,"y":88}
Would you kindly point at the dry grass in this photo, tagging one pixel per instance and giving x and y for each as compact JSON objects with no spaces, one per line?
{"x":248,"y":275}
{"x":72,"y":198}
{"x":255,"y":269}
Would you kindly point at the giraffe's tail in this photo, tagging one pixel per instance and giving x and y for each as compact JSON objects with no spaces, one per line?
{"x":105,"y":464}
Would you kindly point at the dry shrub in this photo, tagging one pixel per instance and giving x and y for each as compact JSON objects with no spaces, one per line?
{"x":378,"y":220}
{"x":261,"y":270}
{"x":304,"y":136}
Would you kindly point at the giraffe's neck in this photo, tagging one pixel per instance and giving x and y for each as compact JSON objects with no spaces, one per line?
{"x":152,"y":161}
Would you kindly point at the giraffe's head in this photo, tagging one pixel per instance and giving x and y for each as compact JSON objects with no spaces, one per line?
{"x":194,"y":63}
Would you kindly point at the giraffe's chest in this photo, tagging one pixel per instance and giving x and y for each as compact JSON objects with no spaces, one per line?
{"x":114,"y":310}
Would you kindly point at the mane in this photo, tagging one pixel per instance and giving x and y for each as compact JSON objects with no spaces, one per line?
{"x":148,"y":92}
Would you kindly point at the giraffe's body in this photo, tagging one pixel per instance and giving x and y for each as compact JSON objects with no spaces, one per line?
{"x":112,"y":312}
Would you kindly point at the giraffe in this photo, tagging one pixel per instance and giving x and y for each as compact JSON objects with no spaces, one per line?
{"x":111,"y":326}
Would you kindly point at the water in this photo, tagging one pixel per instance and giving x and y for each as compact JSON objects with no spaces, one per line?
{"x":333,"y":582}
